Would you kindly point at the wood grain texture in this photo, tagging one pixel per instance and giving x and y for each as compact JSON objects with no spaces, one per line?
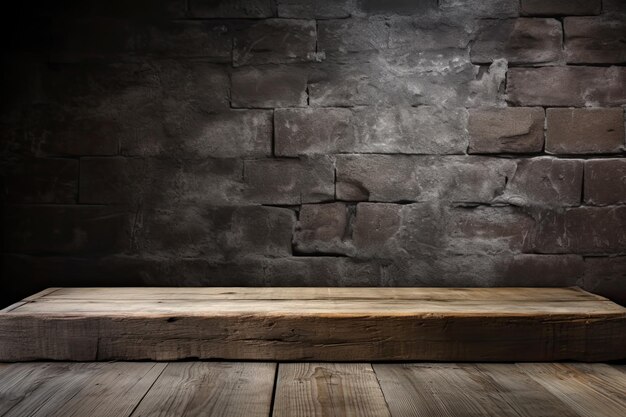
{"x":91,"y":389}
{"x":592,"y":390}
{"x":311,"y":389}
{"x":18,"y":381}
{"x":319,"y":324}
{"x":194,"y":389}
{"x":328,"y":389}
{"x":321,"y":293}
{"x":27,"y":300}
{"x":463,"y":390}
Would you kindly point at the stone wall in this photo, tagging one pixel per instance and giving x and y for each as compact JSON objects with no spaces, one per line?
{"x":315,"y":143}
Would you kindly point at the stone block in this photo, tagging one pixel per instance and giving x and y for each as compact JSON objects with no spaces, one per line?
{"x":323,"y":228}
{"x":397,"y":231}
{"x":410,"y":130}
{"x":107,"y":87}
{"x":485,"y":8}
{"x":595,"y":40}
{"x":58,"y":131}
{"x":583,"y":230}
{"x":42,"y":180}
{"x":210,"y":40}
{"x":428,"y":32}
{"x":112,"y":180}
{"x":160,"y":182}
{"x":405,"y":77}
{"x":289,"y":181}
{"x":612,"y":6}
{"x":275,"y":41}
{"x":227,"y":134}
{"x":506,"y":130}
{"x":501,"y":270}
{"x":353,"y":35}
{"x":585,"y":131}
{"x":133,"y":103}
{"x":395,"y":7}
{"x":544,"y":182}
{"x":605,"y":182}
{"x":376,"y":227}
{"x":519,"y":41}
{"x":567,"y":86}
{"x":321,"y":271}
{"x":269,"y":87}
{"x":319,"y":9}
{"x":183,"y":86}
{"x":400,"y":178}
{"x":63,"y":230}
{"x":313,"y":131}
{"x":231,"y":9}
{"x":606,"y":276}
{"x":560,"y":7}
{"x":530,"y":270}
{"x":215,"y":233}
{"x":487,"y":230}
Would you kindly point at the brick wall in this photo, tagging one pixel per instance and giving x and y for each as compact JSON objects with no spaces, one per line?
{"x":335,"y":142}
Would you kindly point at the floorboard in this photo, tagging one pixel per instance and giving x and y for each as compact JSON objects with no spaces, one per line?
{"x":20,"y":380}
{"x":237,"y":389}
{"x":328,"y":389}
{"x":194,"y":389}
{"x":455,"y":390}
{"x":593,"y":390}
{"x":89,"y":389}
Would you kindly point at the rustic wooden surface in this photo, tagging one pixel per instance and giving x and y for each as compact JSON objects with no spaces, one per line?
{"x":328,"y":389}
{"x":498,"y":390}
{"x":316,"y":324}
{"x":211,"y":389}
{"x":592,"y":390}
{"x":254,"y":389}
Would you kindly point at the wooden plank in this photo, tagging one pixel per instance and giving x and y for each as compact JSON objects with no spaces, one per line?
{"x":324,"y":329}
{"x":594,"y":390}
{"x":463,"y":390}
{"x":12,"y":306}
{"x":26,"y":300}
{"x":93,"y":389}
{"x":44,"y":293}
{"x":320,"y":293}
{"x":330,"y":389}
{"x":211,"y":389}
{"x":326,"y":338}
{"x":19,"y":380}
{"x":301,"y":307}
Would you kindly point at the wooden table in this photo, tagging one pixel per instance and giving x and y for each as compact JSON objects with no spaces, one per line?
{"x":314,"y":324}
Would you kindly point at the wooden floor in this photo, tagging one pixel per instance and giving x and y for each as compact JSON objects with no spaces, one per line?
{"x":314,"y":324}
{"x":255,"y":389}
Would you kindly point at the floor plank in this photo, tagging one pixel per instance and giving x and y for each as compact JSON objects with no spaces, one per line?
{"x":455,"y":390}
{"x":88,"y":389}
{"x":18,"y":381}
{"x":236,"y":389}
{"x":211,"y":389}
{"x":592,"y":390}
{"x":328,"y":389}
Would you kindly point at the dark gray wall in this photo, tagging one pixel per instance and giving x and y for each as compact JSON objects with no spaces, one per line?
{"x":336,"y":142}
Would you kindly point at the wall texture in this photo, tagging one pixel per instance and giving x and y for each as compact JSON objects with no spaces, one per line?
{"x":329,"y":142}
